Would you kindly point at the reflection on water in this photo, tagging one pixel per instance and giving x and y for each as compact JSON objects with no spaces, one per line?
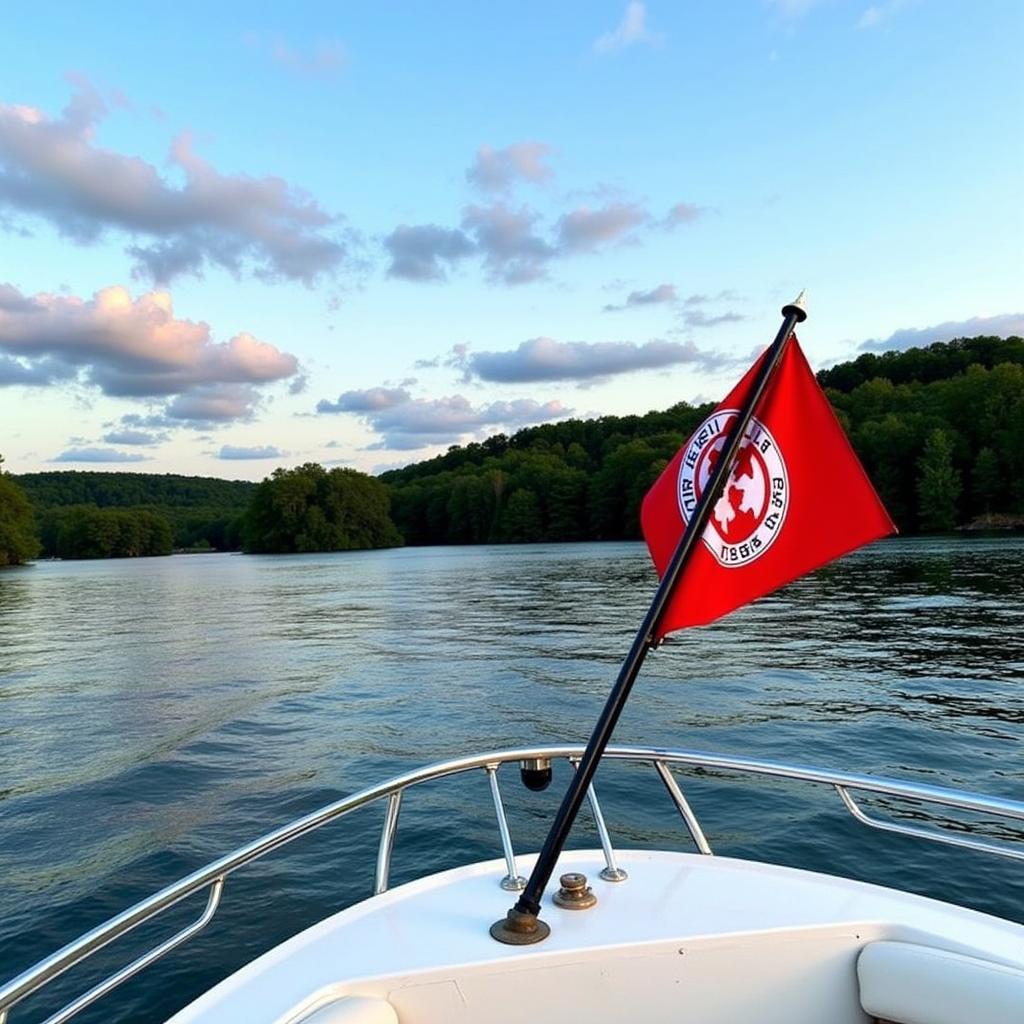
{"x":154,"y":713}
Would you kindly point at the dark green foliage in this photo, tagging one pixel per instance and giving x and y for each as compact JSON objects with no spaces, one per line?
{"x":19,"y":542}
{"x":977,"y":468}
{"x":585,"y":479}
{"x":938,"y":483}
{"x":203,"y":512}
{"x":521,"y":520}
{"x":986,"y":481}
{"x":309,"y":508}
{"x":940,"y":361}
{"x":85,"y":531}
{"x":576,"y":480}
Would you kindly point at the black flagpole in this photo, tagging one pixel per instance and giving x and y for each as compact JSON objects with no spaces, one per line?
{"x":521,"y":926}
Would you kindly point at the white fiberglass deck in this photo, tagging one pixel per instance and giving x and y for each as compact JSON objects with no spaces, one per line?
{"x":687,"y":938}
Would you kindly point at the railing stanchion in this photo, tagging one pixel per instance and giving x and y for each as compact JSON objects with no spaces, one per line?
{"x":387,"y":842}
{"x":611,"y":872}
{"x":513,"y":881}
{"x":684,"y":808}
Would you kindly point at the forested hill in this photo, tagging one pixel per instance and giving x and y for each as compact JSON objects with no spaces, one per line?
{"x":924,"y":365}
{"x":940,"y":431}
{"x":168,"y":490}
{"x":200,"y":511}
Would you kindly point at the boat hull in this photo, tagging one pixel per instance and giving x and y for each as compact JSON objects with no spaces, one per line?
{"x":687,"y":938}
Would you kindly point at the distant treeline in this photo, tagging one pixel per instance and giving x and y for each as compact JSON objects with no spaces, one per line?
{"x":124,"y":515}
{"x":574,"y":480}
{"x":939,"y":429}
{"x":199,"y":512}
{"x":85,"y":531}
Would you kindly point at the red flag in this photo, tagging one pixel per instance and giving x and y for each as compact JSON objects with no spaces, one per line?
{"x":797,"y":498}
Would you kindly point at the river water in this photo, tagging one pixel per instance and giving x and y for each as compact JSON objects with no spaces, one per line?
{"x":155,"y":713}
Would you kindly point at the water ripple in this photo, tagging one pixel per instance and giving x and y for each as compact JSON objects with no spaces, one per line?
{"x":157,"y":712}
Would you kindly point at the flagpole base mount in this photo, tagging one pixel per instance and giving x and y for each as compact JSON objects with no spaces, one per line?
{"x":517,"y":928}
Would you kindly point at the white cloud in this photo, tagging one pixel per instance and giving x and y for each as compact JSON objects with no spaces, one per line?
{"x":1004,"y":325}
{"x":682,"y":213}
{"x":698,"y":318}
{"x":664,"y":293}
{"x":700,"y":299}
{"x":213,"y":404}
{"x":370,"y":400}
{"x":513,"y":252}
{"x":406,"y":423}
{"x":496,"y":170}
{"x":325,"y":58}
{"x":129,"y":347}
{"x":630,"y":31}
{"x":545,"y":359}
{"x":53,"y":169}
{"x":693,"y":315}
{"x":584,"y":229}
{"x":876,"y":14}
{"x":234,"y":452}
{"x":133,"y":437}
{"x":512,"y":242}
{"x":98,"y":455}
{"x":425,"y":252}
{"x":34,"y":373}
{"x":508,"y":240}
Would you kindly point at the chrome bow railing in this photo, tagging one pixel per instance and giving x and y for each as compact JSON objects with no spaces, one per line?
{"x":212,"y":877}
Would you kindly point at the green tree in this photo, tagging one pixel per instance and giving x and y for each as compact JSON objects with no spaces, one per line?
{"x":620,"y":485}
{"x":521,"y":522}
{"x":85,"y":531}
{"x":567,"y":505}
{"x":470,"y":510}
{"x":888,"y":446}
{"x":156,"y":537}
{"x":309,"y":508}
{"x":202,"y":511}
{"x":938,"y":483}
{"x":19,"y":541}
{"x":986,"y":480}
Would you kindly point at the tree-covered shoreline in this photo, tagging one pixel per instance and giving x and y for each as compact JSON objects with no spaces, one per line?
{"x":19,"y":542}
{"x":940,"y":431}
{"x":201,"y":513}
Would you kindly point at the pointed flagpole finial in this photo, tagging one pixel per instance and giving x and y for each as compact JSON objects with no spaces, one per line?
{"x":797,"y":307}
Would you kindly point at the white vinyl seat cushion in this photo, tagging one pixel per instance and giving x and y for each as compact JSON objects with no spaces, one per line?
{"x":352,"y":1010}
{"x":912,"y":984}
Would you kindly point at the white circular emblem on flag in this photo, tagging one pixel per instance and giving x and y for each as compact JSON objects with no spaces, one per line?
{"x":749,"y":515}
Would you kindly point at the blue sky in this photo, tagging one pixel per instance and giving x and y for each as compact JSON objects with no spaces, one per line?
{"x":357,"y":234}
